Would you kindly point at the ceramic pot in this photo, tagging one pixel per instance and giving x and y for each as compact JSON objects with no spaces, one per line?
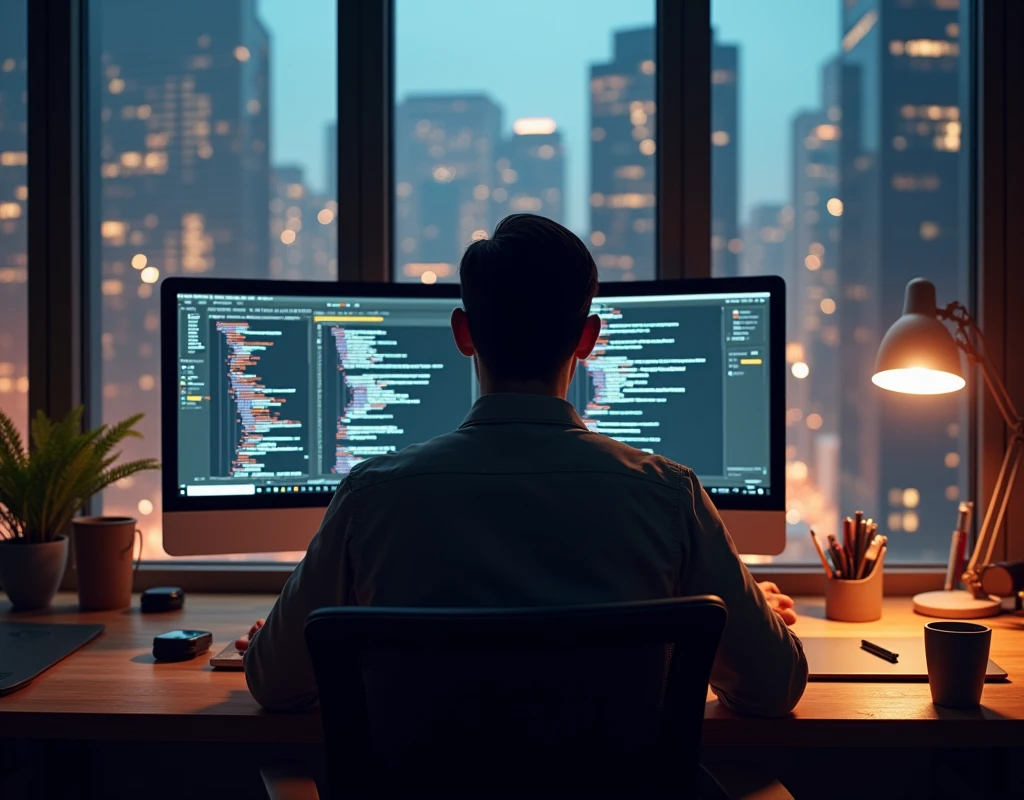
{"x":31,"y":573}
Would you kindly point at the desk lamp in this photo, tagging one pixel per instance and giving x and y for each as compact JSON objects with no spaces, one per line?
{"x":919,"y":355}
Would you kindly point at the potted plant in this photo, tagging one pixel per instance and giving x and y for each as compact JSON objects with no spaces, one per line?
{"x":41,"y":490}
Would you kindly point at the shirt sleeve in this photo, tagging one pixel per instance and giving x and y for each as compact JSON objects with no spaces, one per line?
{"x":760,"y":668}
{"x":278,"y":668}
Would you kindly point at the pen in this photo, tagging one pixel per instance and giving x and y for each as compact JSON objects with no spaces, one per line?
{"x":848,"y":531}
{"x":821,"y":554}
{"x":871,"y":556}
{"x":833,"y":549}
{"x":844,"y":559}
{"x":958,"y":546}
{"x":879,"y":651}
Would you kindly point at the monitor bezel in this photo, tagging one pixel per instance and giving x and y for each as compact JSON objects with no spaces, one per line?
{"x":170,"y":288}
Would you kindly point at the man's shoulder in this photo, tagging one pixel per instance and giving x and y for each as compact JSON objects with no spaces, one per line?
{"x":430,"y":456}
{"x":605,"y":452}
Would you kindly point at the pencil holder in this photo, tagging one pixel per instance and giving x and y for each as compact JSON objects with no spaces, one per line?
{"x":856,"y":601}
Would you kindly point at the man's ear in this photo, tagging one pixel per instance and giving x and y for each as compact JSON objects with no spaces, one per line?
{"x":460,"y":329}
{"x":591,"y":330}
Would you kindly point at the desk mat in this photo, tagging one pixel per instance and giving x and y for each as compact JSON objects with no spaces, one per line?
{"x":28,"y":649}
{"x":842,"y":659}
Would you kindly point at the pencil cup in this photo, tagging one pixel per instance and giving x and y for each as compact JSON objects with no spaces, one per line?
{"x":856,"y":601}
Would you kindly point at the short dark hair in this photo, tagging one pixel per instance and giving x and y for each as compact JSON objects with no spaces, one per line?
{"x":527,"y":293}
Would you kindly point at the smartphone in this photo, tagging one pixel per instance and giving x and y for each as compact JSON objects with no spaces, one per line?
{"x":181,"y":645}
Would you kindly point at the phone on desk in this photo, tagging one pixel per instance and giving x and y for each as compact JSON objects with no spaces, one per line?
{"x":181,"y":645}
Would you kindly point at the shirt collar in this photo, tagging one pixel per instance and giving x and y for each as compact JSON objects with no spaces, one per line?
{"x":537,"y":409}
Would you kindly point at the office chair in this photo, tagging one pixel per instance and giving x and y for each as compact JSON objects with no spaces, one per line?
{"x":599,"y":700}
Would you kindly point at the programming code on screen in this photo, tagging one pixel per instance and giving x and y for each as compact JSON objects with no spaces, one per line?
{"x":287,"y":394}
{"x":687,"y":378}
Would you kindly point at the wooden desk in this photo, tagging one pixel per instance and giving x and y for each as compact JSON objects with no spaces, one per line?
{"x":113,"y":690}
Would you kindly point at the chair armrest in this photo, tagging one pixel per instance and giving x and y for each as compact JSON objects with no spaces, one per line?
{"x":730,"y":780}
{"x":288,"y":782}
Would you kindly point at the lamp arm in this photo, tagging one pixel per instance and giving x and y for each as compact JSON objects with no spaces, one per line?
{"x":994,"y":514}
{"x":971,"y":340}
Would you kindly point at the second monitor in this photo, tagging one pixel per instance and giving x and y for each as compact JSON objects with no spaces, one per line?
{"x":273,"y":391}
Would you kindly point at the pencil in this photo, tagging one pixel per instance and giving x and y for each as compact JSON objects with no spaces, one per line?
{"x":859,"y":532}
{"x":848,"y":531}
{"x":821,"y":554}
{"x":833,"y":548}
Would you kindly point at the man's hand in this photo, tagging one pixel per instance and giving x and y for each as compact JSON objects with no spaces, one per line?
{"x":242,"y":644}
{"x":781,"y":604}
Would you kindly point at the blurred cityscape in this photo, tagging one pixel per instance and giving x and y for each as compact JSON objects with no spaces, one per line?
{"x":187,"y":187}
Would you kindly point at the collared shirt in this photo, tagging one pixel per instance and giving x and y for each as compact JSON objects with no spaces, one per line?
{"x":524,"y":506}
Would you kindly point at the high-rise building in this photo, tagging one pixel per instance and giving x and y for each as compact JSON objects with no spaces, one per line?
{"x":812,"y":284}
{"x":623,"y":122}
{"x":446,"y":155}
{"x":766,"y":241}
{"x":303,"y":229}
{"x":813,"y":280}
{"x":331,"y":178}
{"x":726,"y":243}
{"x":531,"y":170}
{"x":185,"y":182}
{"x":14,"y":212}
{"x":899,"y":206}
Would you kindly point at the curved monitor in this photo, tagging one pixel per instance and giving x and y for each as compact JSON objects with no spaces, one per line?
{"x":272,"y":391}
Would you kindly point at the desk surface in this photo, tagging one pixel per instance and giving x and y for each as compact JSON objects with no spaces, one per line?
{"x":113,"y":689}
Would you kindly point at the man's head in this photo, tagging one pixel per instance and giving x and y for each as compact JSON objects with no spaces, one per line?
{"x":526,"y":293}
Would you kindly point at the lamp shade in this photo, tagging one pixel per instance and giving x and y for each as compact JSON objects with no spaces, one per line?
{"x":918,"y":354}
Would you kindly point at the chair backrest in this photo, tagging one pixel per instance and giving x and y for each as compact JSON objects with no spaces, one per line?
{"x":567,"y":700}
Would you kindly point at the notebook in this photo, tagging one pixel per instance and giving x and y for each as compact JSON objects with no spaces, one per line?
{"x":28,"y":649}
{"x":832,"y":659}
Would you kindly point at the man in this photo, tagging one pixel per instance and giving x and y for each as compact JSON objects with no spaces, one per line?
{"x":523,"y":505}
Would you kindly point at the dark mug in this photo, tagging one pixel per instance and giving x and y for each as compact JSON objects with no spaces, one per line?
{"x":957,"y":656}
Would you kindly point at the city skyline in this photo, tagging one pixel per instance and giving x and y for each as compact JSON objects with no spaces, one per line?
{"x":427,"y":64}
{"x":192,"y":184}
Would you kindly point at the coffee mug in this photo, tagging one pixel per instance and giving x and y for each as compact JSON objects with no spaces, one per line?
{"x":957,"y":656}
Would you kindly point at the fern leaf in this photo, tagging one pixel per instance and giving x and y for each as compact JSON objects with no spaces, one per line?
{"x":117,"y":433}
{"x":12,"y":449}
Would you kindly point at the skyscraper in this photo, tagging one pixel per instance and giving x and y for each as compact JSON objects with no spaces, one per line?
{"x":446,"y":154}
{"x":531,"y":170}
{"x":766,"y":240}
{"x":812,"y":282}
{"x":303,"y":229}
{"x":899,"y":208}
{"x":622,"y":158}
{"x":14,"y":212}
{"x":726,"y":244}
{"x":185,"y":182}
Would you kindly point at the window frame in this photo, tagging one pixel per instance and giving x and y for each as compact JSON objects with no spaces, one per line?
{"x":63,"y":326}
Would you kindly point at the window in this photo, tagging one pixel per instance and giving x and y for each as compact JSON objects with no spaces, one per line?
{"x":844,"y":177}
{"x":551,"y":112}
{"x":14,"y":213}
{"x":216,"y":156}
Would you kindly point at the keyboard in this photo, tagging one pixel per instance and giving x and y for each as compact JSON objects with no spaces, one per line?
{"x":228,"y":658}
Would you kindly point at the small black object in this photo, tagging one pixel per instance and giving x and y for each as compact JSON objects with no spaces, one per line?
{"x":879,"y":651}
{"x":163,"y":598}
{"x":181,"y":645}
